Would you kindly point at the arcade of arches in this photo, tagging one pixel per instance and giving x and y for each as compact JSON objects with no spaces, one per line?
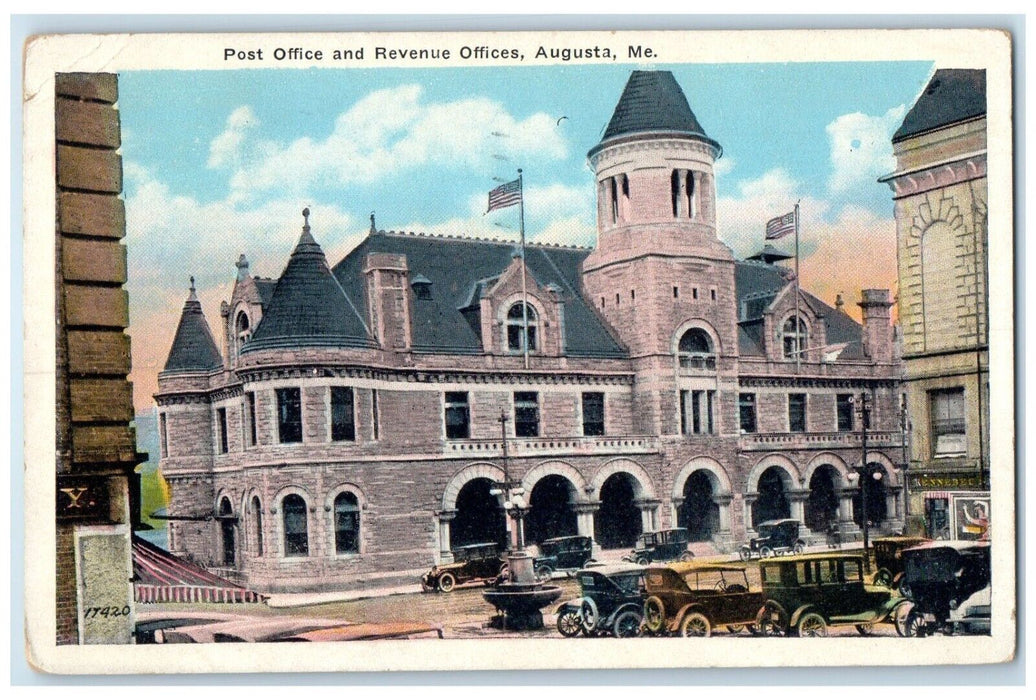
{"x":617,"y":509}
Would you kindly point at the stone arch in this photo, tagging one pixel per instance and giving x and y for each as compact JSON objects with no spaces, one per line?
{"x":718,"y":475}
{"x":311,"y":532}
{"x":640,"y":476}
{"x":252,"y":522}
{"x":227,"y":494}
{"x":792,"y":478}
{"x":891,"y":471}
{"x":700,"y":323}
{"x":359,"y":525}
{"x":558,"y":468}
{"x":829,"y":459}
{"x":479,"y":470}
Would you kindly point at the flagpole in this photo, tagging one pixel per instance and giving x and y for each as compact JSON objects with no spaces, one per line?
{"x":798,"y":317}
{"x":525,"y":291}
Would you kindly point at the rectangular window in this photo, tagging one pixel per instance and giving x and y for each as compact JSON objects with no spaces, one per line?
{"x":221,"y":427}
{"x":163,"y":435}
{"x":289,"y":415}
{"x":694,"y":292}
{"x":746,"y":407}
{"x":845,"y":413}
{"x":712,"y":293}
{"x":250,"y":409}
{"x":948,"y":427}
{"x":797,"y":413}
{"x":676,"y":292}
{"x":526,"y":414}
{"x":696,"y":408}
{"x":374,"y":414}
{"x":458,"y":416}
{"x":343,"y":419}
{"x":593,"y":413}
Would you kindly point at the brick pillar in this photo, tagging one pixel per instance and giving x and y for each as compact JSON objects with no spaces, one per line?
{"x":445,"y":553}
{"x":749,"y":499}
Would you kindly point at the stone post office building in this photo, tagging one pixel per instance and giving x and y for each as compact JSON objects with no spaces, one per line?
{"x":349,"y":428}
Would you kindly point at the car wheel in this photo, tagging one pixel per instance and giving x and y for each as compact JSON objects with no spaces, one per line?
{"x":745,"y":553}
{"x":915,"y":625}
{"x":627,"y":624}
{"x":694,"y":624}
{"x":865,"y":630}
{"x":811,"y":625}
{"x":765,"y":552}
{"x":642,"y":561}
{"x":686,"y":556}
{"x":588,"y":615}
{"x":799,"y":548}
{"x":570,"y":623}
{"x":654,"y":614}
{"x":899,"y":617}
{"x":735,"y":629}
{"x":446,"y":582}
{"x":883,"y":577}
{"x":544,"y":572}
{"x":771,"y":621}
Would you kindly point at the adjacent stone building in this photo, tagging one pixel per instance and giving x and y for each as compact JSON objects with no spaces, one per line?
{"x":940,"y":194}
{"x":351,"y":426}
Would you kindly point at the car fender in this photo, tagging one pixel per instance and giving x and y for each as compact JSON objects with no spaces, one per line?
{"x":569,"y":605}
{"x":793,"y":621}
{"x":888,"y":606}
{"x":690,"y":607}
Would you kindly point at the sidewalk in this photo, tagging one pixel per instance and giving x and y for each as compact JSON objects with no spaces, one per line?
{"x":296,"y":600}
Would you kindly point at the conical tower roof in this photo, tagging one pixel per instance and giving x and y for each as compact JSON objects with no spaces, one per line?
{"x":653,"y":102}
{"x":309,"y":306}
{"x":193,"y":349}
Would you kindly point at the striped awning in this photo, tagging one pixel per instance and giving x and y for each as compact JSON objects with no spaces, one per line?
{"x":160,"y":577}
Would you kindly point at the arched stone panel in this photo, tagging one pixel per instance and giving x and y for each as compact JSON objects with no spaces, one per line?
{"x":645,"y":487}
{"x":720,"y":480}
{"x":792,"y":481}
{"x":481,"y":470}
{"x":891,"y":471}
{"x":674,"y":342}
{"x":829,"y":459}
{"x":559,"y":468}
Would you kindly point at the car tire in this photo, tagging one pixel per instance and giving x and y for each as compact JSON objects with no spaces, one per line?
{"x":642,"y":561}
{"x":811,"y":625}
{"x":735,"y":629}
{"x":765,"y":552}
{"x":654,"y":614}
{"x":589,"y":616}
{"x":882,"y":577}
{"x":544,"y":572}
{"x":915,"y":625}
{"x":771,"y":621}
{"x":446,"y":582}
{"x":799,"y":548}
{"x":570,"y":623}
{"x":686,"y":556}
{"x":745,"y":553}
{"x":627,"y":624}
{"x":899,"y":616}
{"x":694,"y":624}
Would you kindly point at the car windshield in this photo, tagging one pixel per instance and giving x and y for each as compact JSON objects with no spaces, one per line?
{"x":765,"y":530}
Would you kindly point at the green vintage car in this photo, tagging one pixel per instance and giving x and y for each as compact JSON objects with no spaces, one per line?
{"x":806,"y":594}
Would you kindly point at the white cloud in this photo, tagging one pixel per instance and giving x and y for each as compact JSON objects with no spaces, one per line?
{"x":224,"y":150}
{"x":861,"y":148}
{"x":394,"y":130}
{"x":724,"y":166}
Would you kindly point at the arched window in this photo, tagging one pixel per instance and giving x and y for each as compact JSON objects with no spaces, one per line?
{"x":518,"y":333}
{"x":296,"y":532}
{"x":226,"y":526}
{"x":257,"y":516}
{"x":242,"y":329}
{"x":347,"y":524}
{"x":695,"y":350}
{"x":793,"y":337}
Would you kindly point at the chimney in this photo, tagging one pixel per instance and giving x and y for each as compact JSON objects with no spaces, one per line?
{"x":388,"y":296}
{"x":877,"y":324}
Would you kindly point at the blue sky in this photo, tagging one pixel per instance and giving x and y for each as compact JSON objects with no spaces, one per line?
{"x":222,"y":162}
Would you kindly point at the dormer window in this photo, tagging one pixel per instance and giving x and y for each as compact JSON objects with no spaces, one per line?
{"x":242,"y":329}
{"x":695,"y":350}
{"x":793,"y":337}
{"x":422,"y":287}
{"x":521,"y":328}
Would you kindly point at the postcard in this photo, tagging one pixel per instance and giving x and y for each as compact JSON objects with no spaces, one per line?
{"x":518,"y":350}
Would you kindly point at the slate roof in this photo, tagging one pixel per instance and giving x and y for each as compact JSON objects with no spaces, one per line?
{"x":265,"y":286}
{"x":194,"y":349}
{"x":952,"y":95}
{"x":308,"y":307}
{"x":653,"y":101}
{"x":459,"y":269}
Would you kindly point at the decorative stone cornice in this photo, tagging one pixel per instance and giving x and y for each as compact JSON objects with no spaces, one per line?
{"x":931,"y":177}
{"x":412,"y":376}
{"x":819,"y":382}
{"x":184,"y":398}
{"x":642,"y":142}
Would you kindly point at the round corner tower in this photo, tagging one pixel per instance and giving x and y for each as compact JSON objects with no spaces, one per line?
{"x":659,"y":274}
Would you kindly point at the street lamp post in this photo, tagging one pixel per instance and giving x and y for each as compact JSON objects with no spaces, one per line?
{"x":510,"y":495}
{"x":865,"y":473}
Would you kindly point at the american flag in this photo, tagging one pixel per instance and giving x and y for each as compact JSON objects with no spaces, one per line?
{"x":780,"y":226}
{"x":506,"y":195}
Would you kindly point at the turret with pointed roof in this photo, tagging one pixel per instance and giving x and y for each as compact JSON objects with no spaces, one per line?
{"x":194,"y":349}
{"x":309,"y":306}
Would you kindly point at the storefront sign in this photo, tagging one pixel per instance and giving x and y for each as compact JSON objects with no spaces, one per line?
{"x":83,"y":498}
{"x":973,"y":482}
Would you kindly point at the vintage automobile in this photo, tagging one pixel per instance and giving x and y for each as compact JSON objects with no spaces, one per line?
{"x":611,"y":602}
{"x":806,"y":594}
{"x":472,"y":562}
{"x":775,"y":537}
{"x":663,"y":545}
{"x":888,"y":557}
{"x":563,"y":554}
{"x":948,"y":585}
{"x":694,"y":598}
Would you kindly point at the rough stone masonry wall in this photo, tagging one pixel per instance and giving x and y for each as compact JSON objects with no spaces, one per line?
{"x":94,"y":399}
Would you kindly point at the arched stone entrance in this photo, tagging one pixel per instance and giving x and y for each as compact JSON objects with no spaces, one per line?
{"x":551,"y":511}
{"x":226,"y":526}
{"x":479,"y":517}
{"x":618,"y":522}
{"x":773,"y":501}
{"x":822,"y":504}
{"x":699,"y":512}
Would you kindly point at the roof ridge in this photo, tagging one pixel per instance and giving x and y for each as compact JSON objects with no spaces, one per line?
{"x":480,"y":239}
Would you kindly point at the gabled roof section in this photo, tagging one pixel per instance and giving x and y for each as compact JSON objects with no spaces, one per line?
{"x":194,"y":349}
{"x":460,"y":270}
{"x":653,"y":101}
{"x":308,"y":306}
{"x":951,"y":96}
